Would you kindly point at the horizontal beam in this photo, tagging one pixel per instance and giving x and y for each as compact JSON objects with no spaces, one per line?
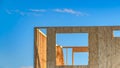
{"x":80,"y":49}
{"x":75,"y":26}
{"x":73,"y":46}
{"x":76,"y":29}
{"x":73,"y":66}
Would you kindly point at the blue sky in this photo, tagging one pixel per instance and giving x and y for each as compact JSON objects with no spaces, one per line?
{"x":19,"y":17}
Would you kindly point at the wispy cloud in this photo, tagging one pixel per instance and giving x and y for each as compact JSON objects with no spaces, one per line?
{"x":70,"y":11}
{"x":8,"y":12}
{"x":38,"y":12}
{"x":33,"y":12}
{"x":26,"y":67}
{"x":15,"y":12}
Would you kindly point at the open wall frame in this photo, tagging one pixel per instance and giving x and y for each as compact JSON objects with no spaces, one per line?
{"x":104,"y":49}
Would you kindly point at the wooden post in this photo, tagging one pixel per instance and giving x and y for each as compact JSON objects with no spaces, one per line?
{"x":72,"y":57}
{"x":35,"y":35}
{"x":66,"y":56}
{"x":93,"y":48}
{"x":36,"y":55}
{"x":51,"y":48}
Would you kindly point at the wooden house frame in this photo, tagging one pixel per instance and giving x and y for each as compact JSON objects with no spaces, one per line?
{"x":103,"y":47}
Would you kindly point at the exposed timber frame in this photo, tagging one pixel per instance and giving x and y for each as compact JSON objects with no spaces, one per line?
{"x":103,"y":48}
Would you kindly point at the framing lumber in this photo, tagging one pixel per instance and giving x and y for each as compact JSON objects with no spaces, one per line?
{"x":103,"y":47}
{"x":80,"y":49}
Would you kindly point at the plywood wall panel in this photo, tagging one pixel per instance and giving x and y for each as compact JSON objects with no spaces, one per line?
{"x":105,"y":46}
{"x":115,"y":61}
{"x":113,"y":46}
{"x":40,"y":49}
{"x":59,"y":56}
{"x":117,"y":43}
{"x":51,"y":48}
{"x":102,"y":47}
{"x":93,"y":48}
{"x":115,"y":58}
{"x":108,"y":38}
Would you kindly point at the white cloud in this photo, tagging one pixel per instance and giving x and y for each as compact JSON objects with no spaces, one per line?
{"x":26,"y":67}
{"x":70,"y":11}
{"x":8,"y":12}
{"x":37,"y":10}
{"x":24,"y":13}
{"x":15,"y":12}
